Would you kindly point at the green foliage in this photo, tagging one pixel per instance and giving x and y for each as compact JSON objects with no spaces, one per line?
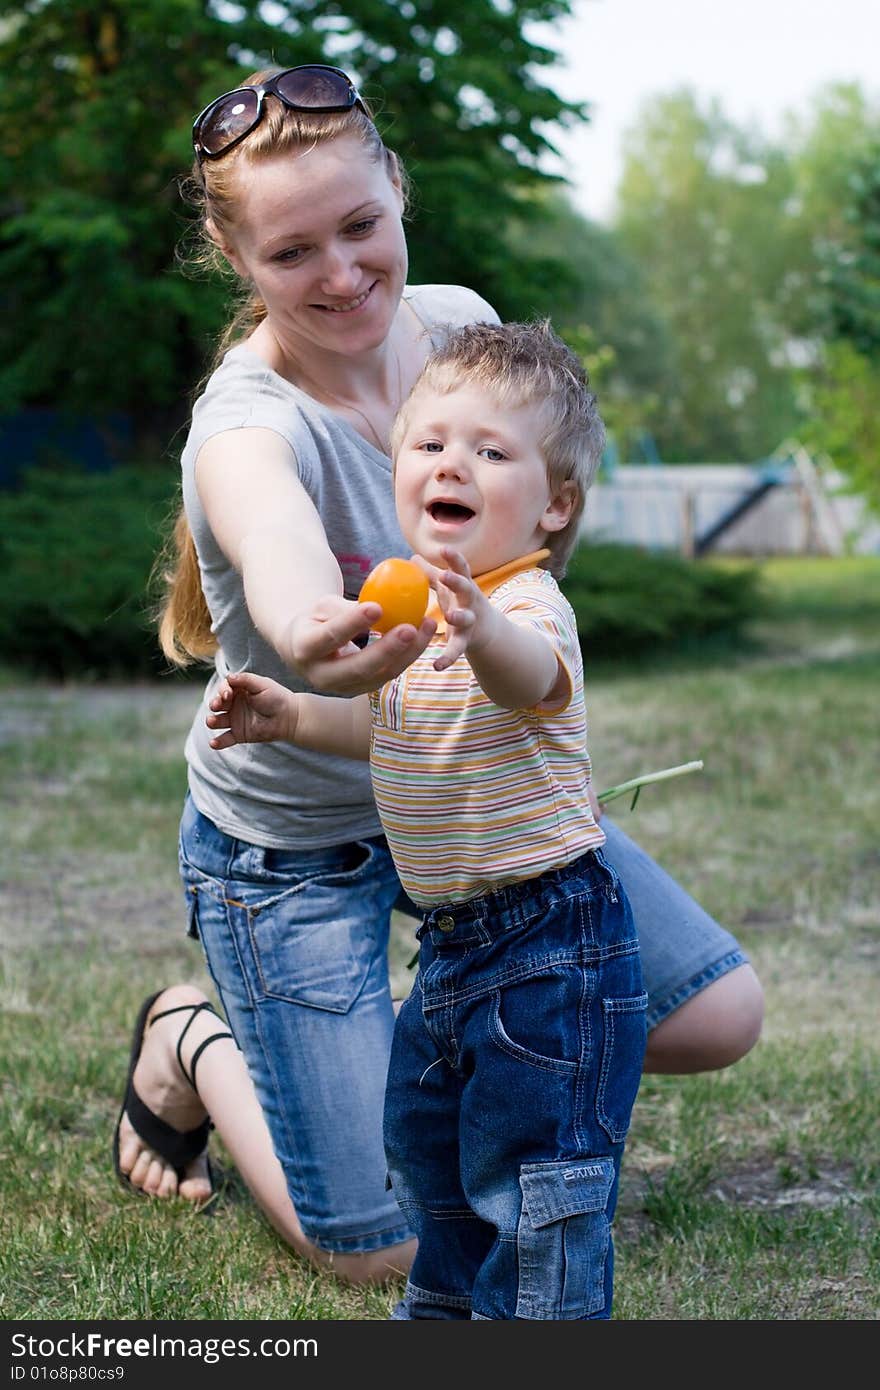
{"x":855,"y":272}
{"x":631,"y":602}
{"x":845,"y":420}
{"x":624,"y":411}
{"x":731,"y":232}
{"x":826,"y":146}
{"x":76,"y":552}
{"x":844,"y":388}
{"x":702,"y":212}
{"x":606,"y":315}
{"x":96,"y":106}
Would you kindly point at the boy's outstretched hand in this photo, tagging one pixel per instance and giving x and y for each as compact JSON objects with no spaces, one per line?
{"x":252,"y":709}
{"x":465,"y":607}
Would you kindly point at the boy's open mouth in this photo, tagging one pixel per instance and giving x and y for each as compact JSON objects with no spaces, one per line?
{"x":449,"y":511}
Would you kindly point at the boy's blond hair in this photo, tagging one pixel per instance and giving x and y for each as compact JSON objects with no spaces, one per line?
{"x":527,"y":364}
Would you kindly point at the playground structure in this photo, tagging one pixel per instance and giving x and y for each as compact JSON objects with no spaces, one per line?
{"x":789,"y":503}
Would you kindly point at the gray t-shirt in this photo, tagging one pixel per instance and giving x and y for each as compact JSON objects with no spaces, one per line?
{"x":273,"y":794}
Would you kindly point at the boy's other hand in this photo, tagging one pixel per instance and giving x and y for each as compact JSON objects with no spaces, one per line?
{"x":251,"y":709}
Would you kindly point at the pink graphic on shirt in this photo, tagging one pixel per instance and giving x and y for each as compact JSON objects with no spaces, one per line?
{"x":355,"y":569}
{"x":360,"y":562}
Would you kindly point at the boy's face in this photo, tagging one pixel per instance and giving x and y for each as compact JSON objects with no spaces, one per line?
{"x":469,"y":473}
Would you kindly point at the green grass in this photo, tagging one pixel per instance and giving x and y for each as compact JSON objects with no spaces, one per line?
{"x":746,"y":1194}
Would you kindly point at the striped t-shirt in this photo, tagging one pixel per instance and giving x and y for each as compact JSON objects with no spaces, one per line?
{"x":473,"y":796}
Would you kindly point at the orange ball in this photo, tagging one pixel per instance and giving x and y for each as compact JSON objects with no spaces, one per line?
{"x":401,"y":589}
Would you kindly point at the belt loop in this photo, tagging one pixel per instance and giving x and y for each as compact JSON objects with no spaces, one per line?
{"x":232,"y":853}
{"x":246,"y":861}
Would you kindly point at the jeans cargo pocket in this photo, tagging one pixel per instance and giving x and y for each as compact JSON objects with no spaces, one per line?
{"x":563,"y":1238}
{"x":623,"y":1051}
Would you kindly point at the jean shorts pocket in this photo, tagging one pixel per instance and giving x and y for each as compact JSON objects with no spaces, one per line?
{"x":311,"y":944}
{"x":623,"y":1051}
{"x":197,"y":886}
{"x":563,"y":1238}
{"x":192,"y":911}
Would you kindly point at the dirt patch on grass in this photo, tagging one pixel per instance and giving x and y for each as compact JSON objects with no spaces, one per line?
{"x":763,"y":1185}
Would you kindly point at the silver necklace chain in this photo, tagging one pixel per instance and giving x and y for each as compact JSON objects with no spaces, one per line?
{"x":381,"y":444}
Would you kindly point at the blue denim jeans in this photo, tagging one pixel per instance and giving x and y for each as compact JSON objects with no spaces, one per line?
{"x":297,"y":946}
{"x":515,"y":1064}
{"x":296,"y":943}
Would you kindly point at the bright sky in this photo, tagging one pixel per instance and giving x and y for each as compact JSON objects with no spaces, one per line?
{"x":761,"y":58}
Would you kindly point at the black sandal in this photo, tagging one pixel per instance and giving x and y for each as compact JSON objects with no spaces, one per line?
{"x":177,"y":1147}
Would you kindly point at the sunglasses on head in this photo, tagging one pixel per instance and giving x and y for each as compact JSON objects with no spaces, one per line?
{"x":312,"y":87}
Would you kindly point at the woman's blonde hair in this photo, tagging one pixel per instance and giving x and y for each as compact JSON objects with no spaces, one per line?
{"x":184,"y":622}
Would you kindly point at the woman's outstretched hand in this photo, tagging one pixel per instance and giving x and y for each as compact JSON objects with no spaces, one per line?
{"x":322,"y":647}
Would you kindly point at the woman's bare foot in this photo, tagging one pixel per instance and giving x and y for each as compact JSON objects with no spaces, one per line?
{"x":161,"y":1086}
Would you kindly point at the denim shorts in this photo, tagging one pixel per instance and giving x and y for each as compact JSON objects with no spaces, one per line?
{"x":683,"y":948}
{"x":297,"y":946}
{"x":296,"y":943}
{"x":514,"y":1068}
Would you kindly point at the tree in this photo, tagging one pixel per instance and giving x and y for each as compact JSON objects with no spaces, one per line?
{"x":702,"y":212}
{"x":832,"y":151}
{"x":96,"y":105}
{"x":606,"y":315}
{"x":844,"y":420}
{"x":854,"y":265}
{"x":733,"y":235}
{"x":844,"y":389}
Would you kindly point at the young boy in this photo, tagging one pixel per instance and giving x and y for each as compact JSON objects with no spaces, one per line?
{"x":517,"y":1056}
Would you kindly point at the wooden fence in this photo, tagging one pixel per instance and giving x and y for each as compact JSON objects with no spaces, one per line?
{"x":788,"y":504}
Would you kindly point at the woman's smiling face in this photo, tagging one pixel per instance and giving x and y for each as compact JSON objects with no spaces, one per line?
{"x":470,"y":474}
{"x":319,"y":233}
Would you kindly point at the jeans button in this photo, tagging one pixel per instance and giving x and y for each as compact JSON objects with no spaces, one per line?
{"x":446,"y":923}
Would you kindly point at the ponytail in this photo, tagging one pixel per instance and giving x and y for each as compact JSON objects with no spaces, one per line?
{"x":185,"y":633}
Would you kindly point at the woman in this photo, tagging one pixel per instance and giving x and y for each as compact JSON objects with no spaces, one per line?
{"x":287,"y":494}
